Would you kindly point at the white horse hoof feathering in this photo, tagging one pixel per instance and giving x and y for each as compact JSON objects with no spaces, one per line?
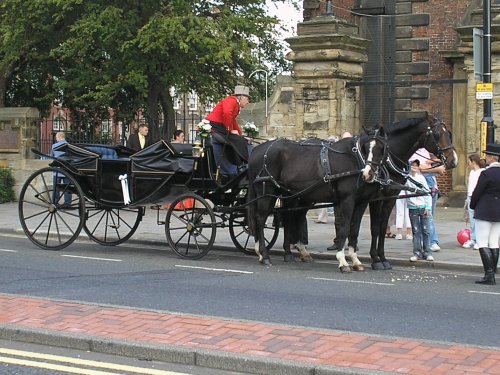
{"x":304,"y":254}
{"x":261,"y":258}
{"x":343,"y":265}
{"x":356,"y":263}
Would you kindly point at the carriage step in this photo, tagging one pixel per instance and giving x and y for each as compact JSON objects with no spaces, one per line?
{"x":160,"y":222}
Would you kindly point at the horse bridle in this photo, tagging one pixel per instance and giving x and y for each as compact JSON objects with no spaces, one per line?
{"x":430,"y":136}
{"x":431,"y":139}
{"x":375,"y":166}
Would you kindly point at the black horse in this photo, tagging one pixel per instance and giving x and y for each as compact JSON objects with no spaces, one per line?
{"x":404,"y":139}
{"x":305,"y":173}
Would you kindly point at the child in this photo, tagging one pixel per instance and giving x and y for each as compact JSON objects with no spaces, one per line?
{"x":420,"y":212}
{"x":476,"y":165}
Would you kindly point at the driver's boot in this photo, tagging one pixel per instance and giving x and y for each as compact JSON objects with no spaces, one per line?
{"x":487,"y":259}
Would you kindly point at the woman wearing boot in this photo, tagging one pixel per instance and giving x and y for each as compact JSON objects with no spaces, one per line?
{"x":485,"y":202}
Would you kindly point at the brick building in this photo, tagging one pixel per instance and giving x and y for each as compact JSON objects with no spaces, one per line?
{"x":419,"y":58}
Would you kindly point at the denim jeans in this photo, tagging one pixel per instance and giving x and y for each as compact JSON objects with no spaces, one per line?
{"x":421,"y":232}
{"x":226,"y":167}
{"x":432,"y":228}
{"x":472,"y":221}
{"x":61,"y":184}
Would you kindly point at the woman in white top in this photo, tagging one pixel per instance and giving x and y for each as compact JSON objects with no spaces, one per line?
{"x":476,"y":165}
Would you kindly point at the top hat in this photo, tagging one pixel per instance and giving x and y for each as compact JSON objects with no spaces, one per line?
{"x":242,"y":90}
{"x":492,"y":149}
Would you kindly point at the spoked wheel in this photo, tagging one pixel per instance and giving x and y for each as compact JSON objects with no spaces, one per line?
{"x":51,"y":208}
{"x":111,"y":226}
{"x":238,"y":230}
{"x":190,"y":226}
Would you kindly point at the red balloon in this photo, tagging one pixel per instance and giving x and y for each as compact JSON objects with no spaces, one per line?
{"x":463,"y":236}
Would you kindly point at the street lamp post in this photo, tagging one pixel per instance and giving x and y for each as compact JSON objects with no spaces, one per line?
{"x":487,"y":103}
{"x":266,"y":75}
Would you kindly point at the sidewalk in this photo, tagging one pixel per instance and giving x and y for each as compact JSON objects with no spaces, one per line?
{"x":236,"y":345}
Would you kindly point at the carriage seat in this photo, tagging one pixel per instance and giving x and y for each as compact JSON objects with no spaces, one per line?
{"x":163,"y":157}
{"x":182,"y":149}
{"x":104,"y":152}
{"x":111,"y":152}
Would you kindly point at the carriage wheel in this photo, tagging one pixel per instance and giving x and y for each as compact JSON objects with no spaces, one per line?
{"x":190,"y":226}
{"x":111,"y":226}
{"x":243,"y":240}
{"x":47,"y":220}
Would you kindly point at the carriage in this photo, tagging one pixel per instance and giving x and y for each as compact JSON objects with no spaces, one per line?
{"x":105,"y":191}
{"x":110,"y":188}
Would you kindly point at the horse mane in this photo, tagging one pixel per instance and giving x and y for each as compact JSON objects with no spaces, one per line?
{"x":403,"y":124}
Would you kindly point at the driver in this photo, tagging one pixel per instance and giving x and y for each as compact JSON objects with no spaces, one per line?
{"x":230,"y":148}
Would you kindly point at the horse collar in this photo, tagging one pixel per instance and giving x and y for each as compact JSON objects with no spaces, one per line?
{"x":325,"y":162}
{"x":356,"y":149}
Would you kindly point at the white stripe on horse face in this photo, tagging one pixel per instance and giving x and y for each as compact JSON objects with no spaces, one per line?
{"x":369,"y":159}
{"x":370,"y":152}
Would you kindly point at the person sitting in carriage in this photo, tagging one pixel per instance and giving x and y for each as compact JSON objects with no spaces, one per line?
{"x":231,"y":149}
{"x":60,"y":180}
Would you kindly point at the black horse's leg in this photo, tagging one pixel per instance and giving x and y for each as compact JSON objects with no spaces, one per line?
{"x":386,"y":213}
{"x":375,"y":225}
{"x":337,"y":219}
{"x":345,"y":208}
{"x":263,"y":211}
{"x":300,"y":220}
{"x":290,"y":235}
{"x":357,"y":216}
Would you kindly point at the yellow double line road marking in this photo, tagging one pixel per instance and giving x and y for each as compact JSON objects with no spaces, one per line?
{"x":73,"y":361}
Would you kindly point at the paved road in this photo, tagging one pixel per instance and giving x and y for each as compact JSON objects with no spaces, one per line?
{"x":253,"y":344}
{"x":442,"y":304}
{"x":449,"y":221}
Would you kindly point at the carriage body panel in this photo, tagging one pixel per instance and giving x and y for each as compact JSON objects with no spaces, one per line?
{"x":110,"y":187}
{"x":151,"y":174}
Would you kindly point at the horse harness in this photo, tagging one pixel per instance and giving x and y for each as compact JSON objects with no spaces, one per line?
{"x":325,"y":160}
{"x":325,"y":164}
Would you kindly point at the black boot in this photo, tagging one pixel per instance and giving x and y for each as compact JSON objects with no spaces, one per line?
{"x":494,"y":252}
{"x":487,"y":259}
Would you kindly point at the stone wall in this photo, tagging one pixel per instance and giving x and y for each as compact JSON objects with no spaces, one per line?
{"x":19,"y":132}
{"x":316,"y":102}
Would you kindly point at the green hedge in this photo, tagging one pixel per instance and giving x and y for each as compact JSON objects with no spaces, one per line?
{"x":6,"y":186}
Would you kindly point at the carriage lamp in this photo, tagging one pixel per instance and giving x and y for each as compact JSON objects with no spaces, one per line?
{"x":197,"y":149}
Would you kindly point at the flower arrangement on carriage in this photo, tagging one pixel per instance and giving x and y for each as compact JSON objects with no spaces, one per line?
{"x":204,"y":129}
{"x":251,"y":130}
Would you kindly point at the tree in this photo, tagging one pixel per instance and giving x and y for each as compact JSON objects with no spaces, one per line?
{"x":125,"y":54}
{"x":27,"y":33}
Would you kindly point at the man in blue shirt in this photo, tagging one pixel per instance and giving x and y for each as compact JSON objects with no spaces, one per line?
{"x":60,"y":180}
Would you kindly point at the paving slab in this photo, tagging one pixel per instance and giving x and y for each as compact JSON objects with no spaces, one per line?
{"x":234,"y":345}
